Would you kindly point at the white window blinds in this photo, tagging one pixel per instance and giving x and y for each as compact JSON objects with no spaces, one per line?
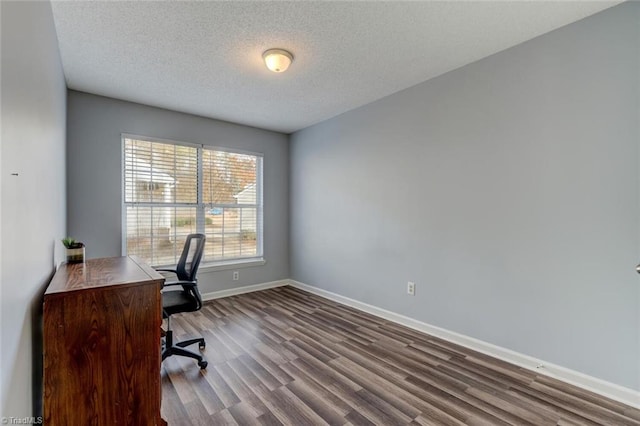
{"x":172,"y":190}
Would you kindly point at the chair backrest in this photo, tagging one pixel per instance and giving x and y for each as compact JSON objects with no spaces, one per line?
{"x":187,"y":266}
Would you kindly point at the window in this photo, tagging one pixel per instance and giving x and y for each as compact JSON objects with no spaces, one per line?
{"x":171,"y":190}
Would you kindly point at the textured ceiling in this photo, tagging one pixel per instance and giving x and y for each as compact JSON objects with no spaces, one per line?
{"x":205,"y":58}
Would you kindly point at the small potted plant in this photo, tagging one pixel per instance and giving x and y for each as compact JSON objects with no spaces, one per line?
{"x":75,"y":250}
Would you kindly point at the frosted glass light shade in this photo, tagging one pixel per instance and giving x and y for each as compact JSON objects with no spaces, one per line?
{"x":277,"y":60}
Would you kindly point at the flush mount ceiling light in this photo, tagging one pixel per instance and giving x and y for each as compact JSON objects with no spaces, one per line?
{"x":277,"y":60}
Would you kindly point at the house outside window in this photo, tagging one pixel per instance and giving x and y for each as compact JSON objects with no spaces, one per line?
{"x":172,"y":189}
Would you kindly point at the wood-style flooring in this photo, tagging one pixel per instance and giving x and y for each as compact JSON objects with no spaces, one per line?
{"x":285,"y":356}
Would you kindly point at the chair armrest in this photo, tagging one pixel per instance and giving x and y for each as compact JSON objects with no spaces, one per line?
{"x":167,"y":270}
{"x":184,"y":283}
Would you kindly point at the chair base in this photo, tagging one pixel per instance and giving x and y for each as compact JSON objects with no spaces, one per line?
{"x":169,"y":349}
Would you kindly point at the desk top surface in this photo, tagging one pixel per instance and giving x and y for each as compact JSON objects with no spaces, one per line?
{"x":103,"y":272}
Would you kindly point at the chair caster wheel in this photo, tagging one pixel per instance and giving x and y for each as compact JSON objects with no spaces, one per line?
{"x":202,"y":345}
{"x":203,"y":364}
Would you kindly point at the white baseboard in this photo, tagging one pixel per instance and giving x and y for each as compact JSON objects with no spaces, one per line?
{"x":241,"y":290}
{"x":593,"y":384}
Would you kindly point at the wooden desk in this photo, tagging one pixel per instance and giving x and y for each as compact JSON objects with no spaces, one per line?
{"x":102,"y":324}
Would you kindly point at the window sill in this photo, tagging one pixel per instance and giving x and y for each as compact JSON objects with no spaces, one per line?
{"x":221,"y":266}
{"x":234,"y":264}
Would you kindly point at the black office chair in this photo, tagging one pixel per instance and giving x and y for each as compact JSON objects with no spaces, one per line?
{"x":187,"y":299}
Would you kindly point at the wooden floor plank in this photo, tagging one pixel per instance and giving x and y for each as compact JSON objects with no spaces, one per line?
{"x":539,"y":402}
{"x":244,"y":414}
{"x":287,"y":357}
{"x":358,"y":419}
{"x":321,"y":392}
{"x":266,"y":378}
{"x":204,"y":391}
{"x":220,"y":386}
{"x":378,"y":386}
{"x":239,"y":388}
{"x":320,"y":406}
{"x":173,"y":410}
{"x":222,"y":418}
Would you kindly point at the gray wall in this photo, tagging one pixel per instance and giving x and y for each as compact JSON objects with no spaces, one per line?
{"x":32,"y":203}
{"x":507,"y":190}
{"x":94,"y":182}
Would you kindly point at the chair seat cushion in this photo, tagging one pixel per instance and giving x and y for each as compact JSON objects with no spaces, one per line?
{"x":178,"y":301}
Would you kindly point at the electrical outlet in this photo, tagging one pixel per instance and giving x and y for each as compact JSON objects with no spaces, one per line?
{"x":236,"y":275}
{"x":411,"y":288}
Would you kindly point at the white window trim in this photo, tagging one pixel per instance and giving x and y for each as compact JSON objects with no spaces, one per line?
{"x":211,"y":266}
{"x":232,"y":264}
{"x":225,"y":265}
